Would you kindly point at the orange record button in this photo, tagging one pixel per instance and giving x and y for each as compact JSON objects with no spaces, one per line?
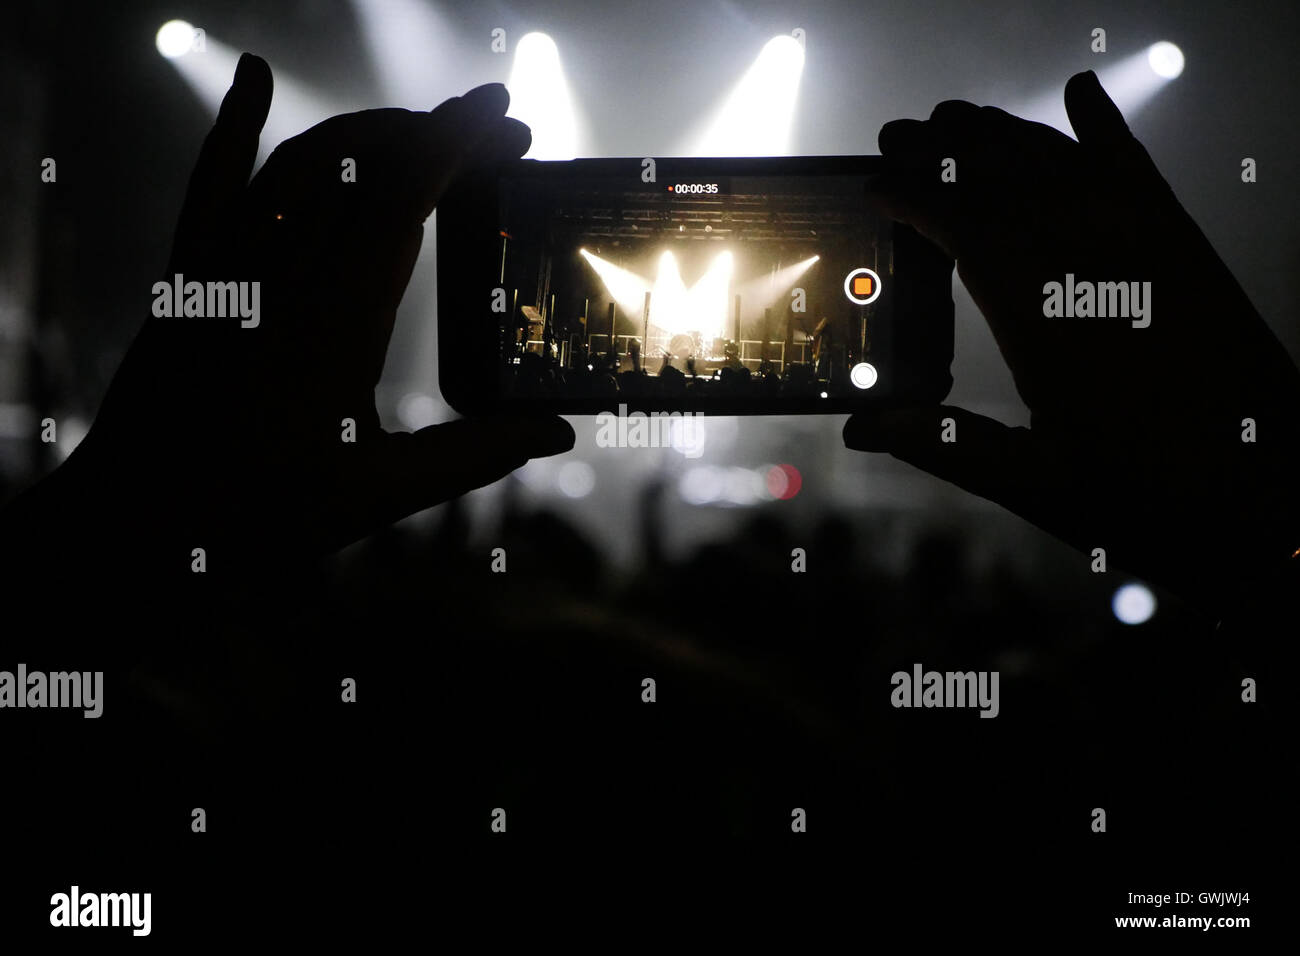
{"x":862,"y":286}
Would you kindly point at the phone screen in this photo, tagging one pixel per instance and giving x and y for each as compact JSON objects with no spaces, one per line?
{"x":735,"y":286}
{"x":762,"y":285}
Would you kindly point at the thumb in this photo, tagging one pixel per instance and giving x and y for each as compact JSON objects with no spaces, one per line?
{"x":976,"y":453}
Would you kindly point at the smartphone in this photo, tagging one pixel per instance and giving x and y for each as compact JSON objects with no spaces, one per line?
{"x":747,"y":286}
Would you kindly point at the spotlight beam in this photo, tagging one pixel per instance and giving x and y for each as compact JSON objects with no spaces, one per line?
{"x":674,"y":308}
{"x":539,"y":97}
{"x":1131,"y":82}
{"x":294,"y":106}
{"x":414,"y":53}
{"x":627,"y":288}
{"x":706,"y":302}
{"x":767,"y":290}
{"x":756,"y":118}
{"x":668,"y":300}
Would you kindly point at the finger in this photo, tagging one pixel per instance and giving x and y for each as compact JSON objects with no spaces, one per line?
{"x":908,"y":143}
{"x":954,"y":127}
{"x":401,"y":161}
{"x":508,"y":141}
{"x":972,"y":451}
{"x":912,"y":188}
{"x":958,"y":115}
{"x":227,"y":156}
{"x":505,"y":139}
{"x":1101,"y":130}
{"x":408,"y":472}
{"x":464,"y":130}
{"x":907,"y":199}
{"x":905,"y":191}
{"x":992,"y":126}
{"x":357,"y":227}
{"x":1095,"y":118}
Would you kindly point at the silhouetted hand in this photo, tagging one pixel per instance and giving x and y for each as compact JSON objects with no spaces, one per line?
{"x":234,"y":434}
{"x":1135,"y":442}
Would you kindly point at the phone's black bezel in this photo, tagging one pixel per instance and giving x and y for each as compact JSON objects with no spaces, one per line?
{"x":468,"y":251}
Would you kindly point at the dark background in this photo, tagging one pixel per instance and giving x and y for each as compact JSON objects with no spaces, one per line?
{"x":522,"y":690}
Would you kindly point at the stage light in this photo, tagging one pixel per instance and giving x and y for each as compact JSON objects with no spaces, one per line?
{"x":743,"y":487}
{"x":1165,"y":59}
{"x":668,"y":298}
{"x":294,"y":106}
{"x":708,"y":484}
{"x":1131,"y":83}
{"x":783,"y":481}
{"x":688,"y":435}
{"x":775,"y":481}
{"x":763,"y":292}
{"x":576,"y":479}
{"x":627,"y":288}
{"x":706,"y":302}
{"x":416,"y":410}
{"x":174,"y":39}
{"x":756,"y":118}
{"x":863,"y":375}
{"x":415,"y":53}
{"x":1133,"y":604}
{"x":701,"y":485}
{"x":539,"y":96}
